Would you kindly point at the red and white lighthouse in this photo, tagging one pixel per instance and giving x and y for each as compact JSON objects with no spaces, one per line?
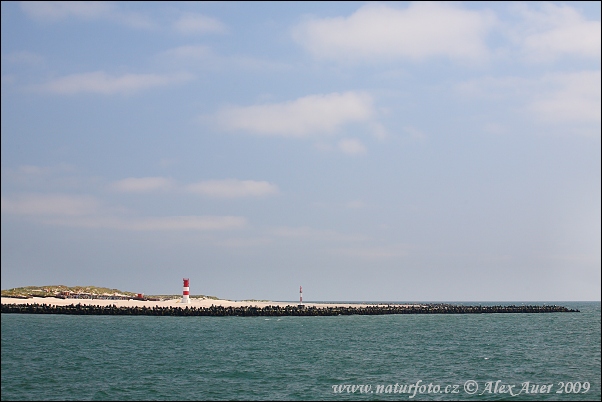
{"x":300,"y":294}
{"x":186,"y":291}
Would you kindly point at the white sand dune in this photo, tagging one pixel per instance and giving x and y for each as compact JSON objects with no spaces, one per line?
{"x":168,"y":303}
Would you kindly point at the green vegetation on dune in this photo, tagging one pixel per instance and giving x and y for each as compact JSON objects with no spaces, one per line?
{"x":53,"y":290}
{"x":180,"y":296}
{"x":57,"y":289}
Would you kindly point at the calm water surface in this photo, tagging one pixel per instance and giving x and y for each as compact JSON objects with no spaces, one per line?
{"x":52,"y":357}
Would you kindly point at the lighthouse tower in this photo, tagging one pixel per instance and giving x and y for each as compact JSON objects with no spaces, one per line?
{"x":301,"y":305}
{"x":186,"y":291}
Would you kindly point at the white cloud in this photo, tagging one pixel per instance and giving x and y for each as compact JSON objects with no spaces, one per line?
{"x":38,"y":179}
{"x":57,"y":10}
{"x":232,"y":188}
{"x":311,"y":234}
{"x":8,"y":79}
{"x":50,"y":204}
{"x":102,"y":83}
{"x":379,"y":131}
{"x":379,"y":31}
{"x":185,"y":223}
{"x":323,"y":146}
{"x":494,"y":128}
{"x":575,"y":97}
{"x":166,"y":162}
{"x":23,"y":57}
{"x":552,"y":98}
{"x":551,"y":31}
{"x":314,"y":114}
{"x":245,"y":242}
{"x":203,"y":57}
{"x":192,"y":23}
{"x":33,"y":170}
{"x":371,"y":253}
{"x":141,"y":184}
{"x":168,"y":223}
{"x":495,"y":88}
{"x":357,"y":204}
{"x":351,"y":146}
{"x":190,"y":52}
{"x":37,"y":171}
{"x":414,"y":132}
{"x":86,"y":212}
{"x":192,"y":57}
{"x":53,"y":11}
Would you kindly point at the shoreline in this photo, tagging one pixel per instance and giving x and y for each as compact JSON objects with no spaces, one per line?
{"x":132,"y":303}
{"x":227,"y":308}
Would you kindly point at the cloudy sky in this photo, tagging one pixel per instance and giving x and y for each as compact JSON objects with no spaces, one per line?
{"x":381,"y":151}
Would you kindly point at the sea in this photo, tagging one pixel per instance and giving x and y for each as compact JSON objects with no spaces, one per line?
{"x":530,"y":357}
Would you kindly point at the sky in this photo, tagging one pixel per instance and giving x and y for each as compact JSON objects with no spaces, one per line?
{"x":398,"y":151}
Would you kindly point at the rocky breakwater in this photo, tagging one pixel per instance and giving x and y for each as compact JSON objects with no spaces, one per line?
{"x":271,"y":311}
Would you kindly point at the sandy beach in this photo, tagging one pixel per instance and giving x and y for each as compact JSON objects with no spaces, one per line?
{"x":171,"y":303}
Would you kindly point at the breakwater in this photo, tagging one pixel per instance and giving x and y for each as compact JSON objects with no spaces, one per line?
{"x":271,"y":311}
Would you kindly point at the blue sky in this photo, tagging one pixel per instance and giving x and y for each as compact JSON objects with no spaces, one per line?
{"x":367,"y":151}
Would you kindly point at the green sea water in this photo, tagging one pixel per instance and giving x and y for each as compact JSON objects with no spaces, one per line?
{"x":443,"y":357}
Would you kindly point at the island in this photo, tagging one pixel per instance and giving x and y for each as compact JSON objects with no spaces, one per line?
{"x":92,"y":300}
